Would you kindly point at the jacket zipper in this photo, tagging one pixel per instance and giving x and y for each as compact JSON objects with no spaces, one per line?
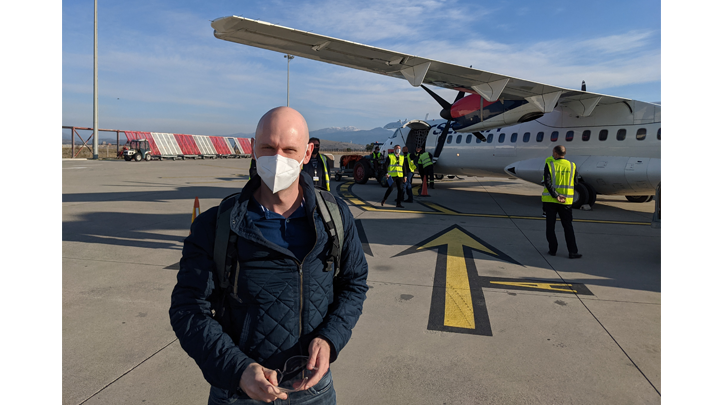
{"x":300,"y":267}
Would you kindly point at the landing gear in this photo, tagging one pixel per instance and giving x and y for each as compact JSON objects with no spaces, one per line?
{"x":639,"y":198}
{"x":584,"y":194}
{"x":581,"y":195}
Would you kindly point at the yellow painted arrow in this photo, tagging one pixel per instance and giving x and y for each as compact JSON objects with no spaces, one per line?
{"x":458,"y":300}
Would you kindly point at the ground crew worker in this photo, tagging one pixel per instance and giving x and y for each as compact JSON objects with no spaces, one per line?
{"x":409,"y":168}
{"x":317,"y":167}
{"x":559,"y":178}
{"x":426,"y":162}
{"x":253,"y":169}
{"x":394,"y":163}
{"x":376,"y":158}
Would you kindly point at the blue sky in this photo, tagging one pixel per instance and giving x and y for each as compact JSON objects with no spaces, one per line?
{"x":161,"y":69}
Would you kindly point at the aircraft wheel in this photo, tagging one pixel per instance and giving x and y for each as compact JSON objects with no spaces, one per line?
{"x":438,"y":177}
{"x":581,"y":196}
{"x":639,"y":198}
{"x":361,"y":172}
{"x":592,"y":194}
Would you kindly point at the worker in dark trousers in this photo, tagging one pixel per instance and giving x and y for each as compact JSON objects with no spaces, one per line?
{"x":375,"y":158}
{"x":409,"y":170}
{"x":559,"y":178}
{"x":394,"y":163}
{"x":426,"y":163}
{"x":317,"y":167}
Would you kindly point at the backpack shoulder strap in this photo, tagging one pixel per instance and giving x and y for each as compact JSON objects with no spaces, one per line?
{"x":330,"y":213}
{"x":224,"y":241}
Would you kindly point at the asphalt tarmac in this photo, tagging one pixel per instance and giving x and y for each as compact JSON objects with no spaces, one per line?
{"x":465,"y":305}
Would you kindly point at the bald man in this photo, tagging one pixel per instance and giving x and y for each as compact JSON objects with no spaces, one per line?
{"x":286,"y":315}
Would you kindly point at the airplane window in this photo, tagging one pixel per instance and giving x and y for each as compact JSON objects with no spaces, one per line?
{"x":501,"y":138}
{"x":526,"y":137}
{"x":641,"y":133}
{"x":540,"y":136}
{"x":658,"y":134}
{"x":586,"y":135}
{"x":621,"y":134}
{"x":449,"y":139}
{"x":569,"y":136}
{"x":489,"y":138}
{"x":459,"y":139}
{"x":554,"y":136}
{"x":468,"y":138}
{"x":603,"y":135}
{"x":395,"y":134}
{"x":478,"y":140}
{"x":513,"y":137}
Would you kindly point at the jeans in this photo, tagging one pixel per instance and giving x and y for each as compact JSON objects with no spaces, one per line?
{"x":408,"y":187}
{"x":322,"y":393}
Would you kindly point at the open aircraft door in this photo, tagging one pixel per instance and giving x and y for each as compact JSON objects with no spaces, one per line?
{"x":416,"y":134}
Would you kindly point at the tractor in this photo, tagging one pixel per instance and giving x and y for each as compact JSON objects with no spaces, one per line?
{"x":363,"y":167}
{"x":137,"y":149}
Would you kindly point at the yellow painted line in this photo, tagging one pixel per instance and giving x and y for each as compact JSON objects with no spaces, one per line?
{"x":439,"y":210}
{"x":541,"y":286}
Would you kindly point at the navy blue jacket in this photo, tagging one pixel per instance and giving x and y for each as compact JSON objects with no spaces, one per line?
{"x":283,"y":302}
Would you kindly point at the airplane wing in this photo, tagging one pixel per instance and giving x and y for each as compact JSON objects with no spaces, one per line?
{"x":415,"y":69}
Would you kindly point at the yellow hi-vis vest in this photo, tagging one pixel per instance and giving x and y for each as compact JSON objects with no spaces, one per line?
{"x":425,"y":160}
{"x":562,"y":175}
{"x":396,"y":165}
{"x":411,"y":164}
{"x":327,"y":177}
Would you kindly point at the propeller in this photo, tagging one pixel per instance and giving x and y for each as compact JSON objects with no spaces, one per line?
{"x":445,"y":113}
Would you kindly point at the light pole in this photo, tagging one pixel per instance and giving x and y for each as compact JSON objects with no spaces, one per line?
{"x":288,"y":56}
{"x":95,"y":92}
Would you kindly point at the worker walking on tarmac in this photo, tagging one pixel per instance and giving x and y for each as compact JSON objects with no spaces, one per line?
{"x":317,"y":167}
{"x":394,"y":163}
{"x":425,"y":162}
{"x":559,"y":179}
{"x":409,"y":170}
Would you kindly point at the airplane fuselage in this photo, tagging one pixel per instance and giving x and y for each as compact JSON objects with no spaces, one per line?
{"x":616,"y":149}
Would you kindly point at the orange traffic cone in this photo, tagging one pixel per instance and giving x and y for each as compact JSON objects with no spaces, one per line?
{"x":423,"y":191}
{"x":196,"y":210}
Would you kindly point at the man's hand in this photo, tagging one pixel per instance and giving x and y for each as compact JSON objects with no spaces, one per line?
{"x":404,"y":179}
{"x":259,"y":383}
{"x":319,"y":361}
{"x":561,"y":198}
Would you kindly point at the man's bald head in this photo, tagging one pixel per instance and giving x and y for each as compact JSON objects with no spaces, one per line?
{"x":285,"y":121}
{"x":283,"y":131}
{"x":559,"y":150}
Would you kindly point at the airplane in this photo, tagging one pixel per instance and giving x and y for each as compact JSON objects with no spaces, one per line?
{"x":497,"y":125}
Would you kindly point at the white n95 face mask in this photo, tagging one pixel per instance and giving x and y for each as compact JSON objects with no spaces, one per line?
{"x":277,"y":172}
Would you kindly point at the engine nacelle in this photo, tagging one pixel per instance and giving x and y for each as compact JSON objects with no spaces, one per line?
{"x":473,"y":113}
{"x":606,"y":174}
